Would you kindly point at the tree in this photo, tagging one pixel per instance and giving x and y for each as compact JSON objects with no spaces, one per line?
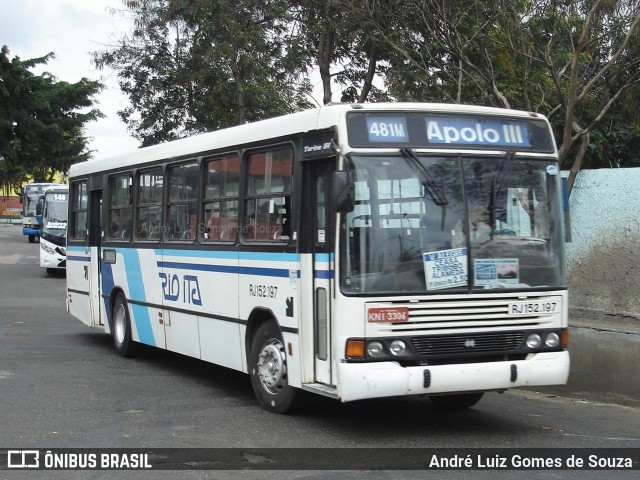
{"x":571,"y":60}
{"x":41,"y":125}
{"x":191,"y":66}
{"x":345,"y":51}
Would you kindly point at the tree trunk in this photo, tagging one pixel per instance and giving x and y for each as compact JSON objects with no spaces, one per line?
{"x":577,"y":163}
{"x":371,"y":72}
{"x":242,"y":107}
{"x":325,"y":49}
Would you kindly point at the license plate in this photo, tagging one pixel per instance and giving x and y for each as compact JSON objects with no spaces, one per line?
{"x":535,"y":307}
{"x":387,"y":315}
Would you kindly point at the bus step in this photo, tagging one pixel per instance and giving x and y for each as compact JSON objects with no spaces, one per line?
{"x":321,"y":389}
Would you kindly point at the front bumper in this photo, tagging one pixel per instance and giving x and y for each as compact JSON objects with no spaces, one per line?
{"x":57,"y":262}
{"x":388,"y":379}
{"x":30,"y":230}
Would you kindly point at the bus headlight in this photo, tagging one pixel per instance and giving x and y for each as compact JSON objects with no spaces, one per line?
{"x":397,"y":347}
{"x":552,"y":340}
{"x":47,"y":248}
{"x":534,"y":341}
{"x":375,"y":349}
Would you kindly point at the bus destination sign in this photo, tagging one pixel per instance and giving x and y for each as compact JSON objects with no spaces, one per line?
{"x":469,"y":131}
{"x":387,"y":130}
{"x":448,"y":131}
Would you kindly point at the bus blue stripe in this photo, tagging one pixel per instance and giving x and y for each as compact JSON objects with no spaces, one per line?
{"x":324,"y":274}
{"x":137,"y":292}
{"x":265,"y":272}
{"x":107,"y":285}
{"x":232,"y":255}
{"x":78,"y":259}
{"x":274,"y":257}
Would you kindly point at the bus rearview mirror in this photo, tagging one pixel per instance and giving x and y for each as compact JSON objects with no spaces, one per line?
{"x":343,"y":191}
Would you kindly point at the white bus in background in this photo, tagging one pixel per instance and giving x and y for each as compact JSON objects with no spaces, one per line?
{"x":354,"y":251}
{"x":53,"y":237}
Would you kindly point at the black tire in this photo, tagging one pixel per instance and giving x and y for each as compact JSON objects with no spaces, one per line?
{"x":458,"y":401}
{"x":51,"y":271}
{"x":121,"y":329}
{"x":269,"y":370}
{"x":32,"y":239}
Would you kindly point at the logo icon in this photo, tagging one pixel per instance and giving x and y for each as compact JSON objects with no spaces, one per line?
{"x":23,"y":459}
{"x":470,"y":343}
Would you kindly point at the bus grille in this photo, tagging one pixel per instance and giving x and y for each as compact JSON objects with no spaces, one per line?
{"x":455,"y":314}
{"x":497,"y":342}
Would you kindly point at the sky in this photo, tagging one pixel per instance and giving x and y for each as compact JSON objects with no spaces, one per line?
{"x":72,"y":29}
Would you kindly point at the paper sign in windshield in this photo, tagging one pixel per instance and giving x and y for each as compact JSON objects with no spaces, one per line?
{"x":56,"y":225}
{"x":446,"y":268}
{"x":503,"y":270}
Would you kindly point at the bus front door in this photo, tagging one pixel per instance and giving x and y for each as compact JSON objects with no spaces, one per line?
{"x":320,"y":243}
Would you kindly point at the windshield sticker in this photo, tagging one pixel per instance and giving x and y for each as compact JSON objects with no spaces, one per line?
{"x":56,"y":225}
{"x":446,"y":268}
{"x":503,"y":270}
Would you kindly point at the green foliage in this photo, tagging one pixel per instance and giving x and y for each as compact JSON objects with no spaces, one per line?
{"x":571,"y":60}
{"x":41,"y":120}
{"x":194,"y":65}
{"x":191,"y":66}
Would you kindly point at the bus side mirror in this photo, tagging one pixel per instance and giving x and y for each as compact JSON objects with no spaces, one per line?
{"x":343,"y":191}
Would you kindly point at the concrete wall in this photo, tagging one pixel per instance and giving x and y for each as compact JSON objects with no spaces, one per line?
{"x":602,"y":258}
{"x":603,"y":276}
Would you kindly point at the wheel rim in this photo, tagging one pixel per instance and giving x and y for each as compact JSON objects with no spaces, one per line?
{"x":119,"y":323}
{"x":272,"y":367}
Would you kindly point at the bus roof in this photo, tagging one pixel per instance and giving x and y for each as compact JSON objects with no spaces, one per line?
{"x":57,"y":188}
{"x":300,"y":122}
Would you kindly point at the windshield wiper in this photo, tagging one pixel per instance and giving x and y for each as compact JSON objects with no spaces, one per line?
{"x":429,"y":184}
{"x":499,"y":184}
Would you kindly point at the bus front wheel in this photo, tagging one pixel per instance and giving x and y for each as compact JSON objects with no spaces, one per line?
{"x":458,"y":401}
{"x":121,"y":329}
{"x":269,"y":370}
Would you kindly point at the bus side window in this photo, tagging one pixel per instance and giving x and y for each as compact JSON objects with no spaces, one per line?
{"x":222,"y":180}
{"x":79,"y":204}
{"x":120,"y":207}
{"x":268,"y":207}
{"x":149,"y":206}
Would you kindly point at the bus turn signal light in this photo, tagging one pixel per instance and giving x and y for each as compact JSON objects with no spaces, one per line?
{"x":564,"y":338}
{"x":355,"y":349}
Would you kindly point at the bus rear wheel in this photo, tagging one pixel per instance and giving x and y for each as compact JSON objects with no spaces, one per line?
{"x":269,"y":370}
{"x":121,"y":329}
{"x":458,"y":401}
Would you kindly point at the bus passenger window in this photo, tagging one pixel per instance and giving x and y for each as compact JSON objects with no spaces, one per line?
{"x":220,"y":199}
{"x":149,"y":207}
{"x":79,"y":210}
{"x":268,"y":196}
{"x":120,"y":207}
{"x":183,"y":193}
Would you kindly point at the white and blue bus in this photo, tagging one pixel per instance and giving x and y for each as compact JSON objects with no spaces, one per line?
{"x":53,"y":238}
{"x":355,"y":251}
{"x":31,"y":215}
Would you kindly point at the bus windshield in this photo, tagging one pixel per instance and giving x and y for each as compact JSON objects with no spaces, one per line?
{"x":54,"y":215}
{"x":32,"y":194}
{"x":428,"y":224}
